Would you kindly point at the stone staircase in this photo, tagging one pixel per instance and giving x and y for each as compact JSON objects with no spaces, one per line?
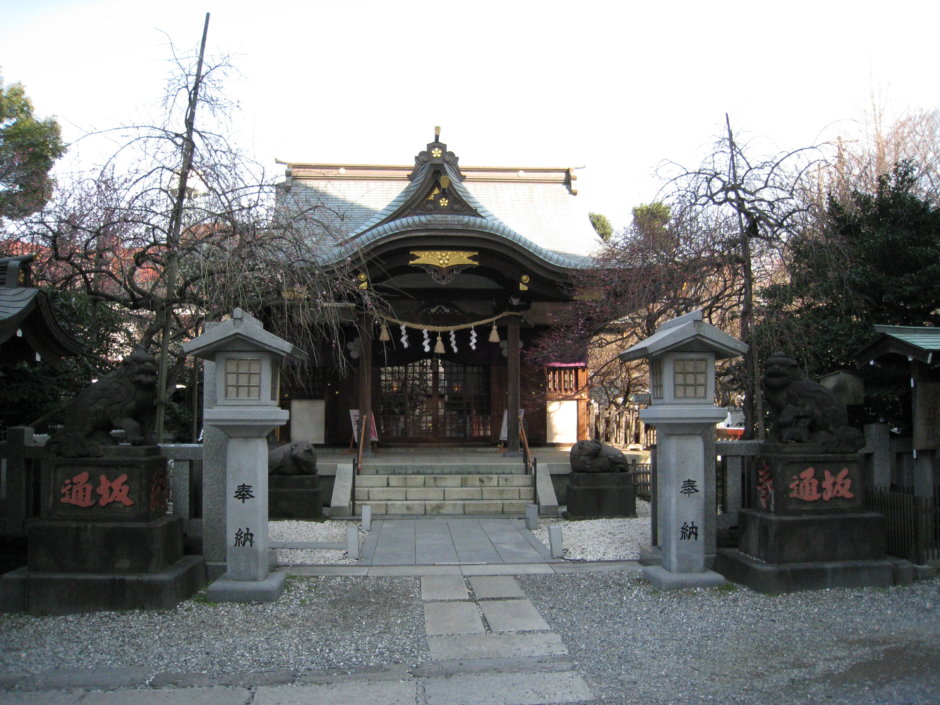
{"x":445,"y":489}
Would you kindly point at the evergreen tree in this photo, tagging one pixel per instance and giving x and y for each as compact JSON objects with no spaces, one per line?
{"x":28,"y":149}
{"x":874,"y":260}
{"x":602,"y":226}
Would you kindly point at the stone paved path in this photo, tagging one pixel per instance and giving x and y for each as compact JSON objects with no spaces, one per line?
{"x":451,"y":541}
{"x":489,"y":644}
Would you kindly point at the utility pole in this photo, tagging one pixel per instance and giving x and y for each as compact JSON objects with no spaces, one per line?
{"x":173,"y":237}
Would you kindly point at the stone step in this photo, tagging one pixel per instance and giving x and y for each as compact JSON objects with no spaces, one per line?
{"x":445,"y":494}
{"x":440,"y":494}
{"x":447,"y":507}
{"x":516,"y":467}
{"x":443,"y":481}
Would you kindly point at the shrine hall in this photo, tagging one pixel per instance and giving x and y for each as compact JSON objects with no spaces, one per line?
{"x":471,"y":265}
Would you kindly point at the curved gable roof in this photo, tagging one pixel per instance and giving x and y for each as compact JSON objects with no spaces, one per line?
{"x":532,"y":209}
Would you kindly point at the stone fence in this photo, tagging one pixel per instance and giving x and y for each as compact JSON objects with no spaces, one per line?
{"x":891,"y":464}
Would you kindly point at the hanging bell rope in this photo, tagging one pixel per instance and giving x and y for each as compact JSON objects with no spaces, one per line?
{"x":384,"y":336}
{"x":494,"y":334}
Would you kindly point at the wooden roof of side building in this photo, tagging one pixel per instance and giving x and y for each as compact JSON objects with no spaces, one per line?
{"x":921,"y":343}
{"x":25,"y":312}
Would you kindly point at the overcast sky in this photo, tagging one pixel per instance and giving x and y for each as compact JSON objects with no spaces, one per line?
{"x":607,"y":86}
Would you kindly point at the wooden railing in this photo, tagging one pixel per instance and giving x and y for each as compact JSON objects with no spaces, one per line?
{"x":912,"y":524}
{"x":524,"y":442}
{"x":363,"y":436}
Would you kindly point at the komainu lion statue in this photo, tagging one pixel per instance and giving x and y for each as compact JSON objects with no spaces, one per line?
{"x":594,"y":456}
{"x":803,"y":411}
{"x":123,"y":399}
{"x":297,"y":458}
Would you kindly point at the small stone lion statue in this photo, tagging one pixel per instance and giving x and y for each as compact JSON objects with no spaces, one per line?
{"x":123,"y":399}
{"x":803,"y":411}
{"x":298,"y":458}
{"x":594,"y":456}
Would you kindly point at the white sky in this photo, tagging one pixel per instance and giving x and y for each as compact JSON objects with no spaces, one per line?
{"x":610,"y":85}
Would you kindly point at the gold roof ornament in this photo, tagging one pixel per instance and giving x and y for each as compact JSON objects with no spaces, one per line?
{"x":443,"y":259}
{"x":443,"y":265}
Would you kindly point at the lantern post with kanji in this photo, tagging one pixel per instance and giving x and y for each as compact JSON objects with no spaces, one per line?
{"x":682,"y":355}
{"x":247,"y":361}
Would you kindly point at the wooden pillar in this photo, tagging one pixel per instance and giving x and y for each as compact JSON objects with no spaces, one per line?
{"x":926,"y":415}
{"x":512,"y":384}
{"x":365,"y":380}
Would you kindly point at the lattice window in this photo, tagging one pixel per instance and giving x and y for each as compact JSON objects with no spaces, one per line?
{"x":243,"y":378}
{"x":656,"y":379}
{"x":434,"y":399}
{"x":690,"y":378}
{"x":561,"y":380}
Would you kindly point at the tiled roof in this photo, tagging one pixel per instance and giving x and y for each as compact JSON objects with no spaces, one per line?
{"x":16,"y":303}
{"x":28,"y":309}
{"x":917,"y":336}
{"x":534,"y":208}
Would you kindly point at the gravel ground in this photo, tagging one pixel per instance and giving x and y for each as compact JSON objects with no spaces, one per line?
{"x":327,"y":624}
{"x":602,"y":539}
{"x":632,"y":643}
{"x":315,"y":532}
{"x":588,"y":540}
{"x":635,"y":644}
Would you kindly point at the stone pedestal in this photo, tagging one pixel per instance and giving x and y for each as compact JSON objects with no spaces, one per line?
{"x":821,"y":537}
{"x":248,"y":576}
{"x":104,"y":540}
{"x":796,"y":481}
{"x":129,"y":483}
{"x":104,"y":547}
{"x":601,"y":494}
{"x":682,"y":487}
{"x":808,"y":528}
{"x":294,"y":497}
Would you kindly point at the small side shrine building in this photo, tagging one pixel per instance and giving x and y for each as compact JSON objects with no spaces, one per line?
{"x":29,"y":330}
{"x":473,"y":263}
{"x":915,"y":350}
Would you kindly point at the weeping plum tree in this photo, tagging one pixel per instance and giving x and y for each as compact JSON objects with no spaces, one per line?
{"x":178,"y":227}
{"x":711,"y":239}
{"x":750,"y":210}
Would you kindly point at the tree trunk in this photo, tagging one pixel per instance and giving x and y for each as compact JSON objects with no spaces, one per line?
{"x":753,"y":406}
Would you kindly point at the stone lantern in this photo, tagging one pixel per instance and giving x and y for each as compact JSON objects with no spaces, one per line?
{"x":682,"y":355}
{"x":247,"y":362}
